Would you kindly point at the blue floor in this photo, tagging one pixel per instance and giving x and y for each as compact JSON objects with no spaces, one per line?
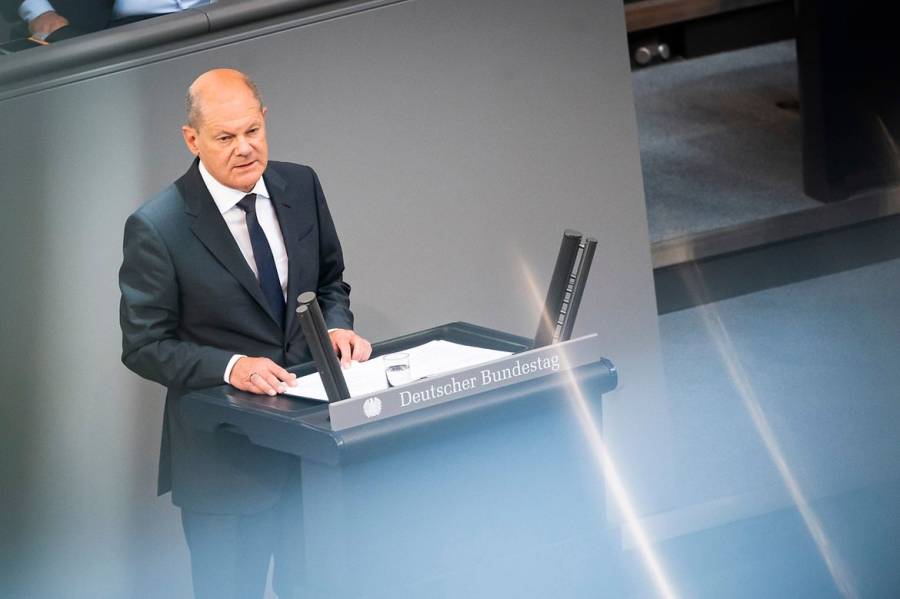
{"x":785,"y":409}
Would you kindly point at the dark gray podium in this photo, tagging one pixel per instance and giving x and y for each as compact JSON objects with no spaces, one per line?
{"x":488,"y":491}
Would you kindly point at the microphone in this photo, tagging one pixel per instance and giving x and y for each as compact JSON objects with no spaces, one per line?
{"x":313,"y":325}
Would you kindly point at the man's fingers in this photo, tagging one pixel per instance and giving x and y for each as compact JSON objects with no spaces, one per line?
{"x":345,"y":351}
{"x":361,"y":350}
{"x":350,"y":346}
{"x":284,"y":375}
{"x":260,"y":384}
{"x":279,"y":378}
{"x":261,"y":375}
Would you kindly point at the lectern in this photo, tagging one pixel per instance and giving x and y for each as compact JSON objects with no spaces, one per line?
{"x":491,"y":490}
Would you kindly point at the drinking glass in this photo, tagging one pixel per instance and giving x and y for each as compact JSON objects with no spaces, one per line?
{"x":396,"y":369}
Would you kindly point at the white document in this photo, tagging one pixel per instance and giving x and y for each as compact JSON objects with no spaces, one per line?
{"x":428,"y":359}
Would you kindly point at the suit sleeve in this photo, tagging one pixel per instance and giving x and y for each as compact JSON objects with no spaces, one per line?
{"x":150,"y":314}
{"x":333,"y":292}
{"x":29,"y":10}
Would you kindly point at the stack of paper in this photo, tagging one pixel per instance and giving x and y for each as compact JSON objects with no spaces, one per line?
{"x":428,"y":359}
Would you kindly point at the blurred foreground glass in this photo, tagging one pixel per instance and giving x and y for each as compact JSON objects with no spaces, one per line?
{"x":396,"y":369}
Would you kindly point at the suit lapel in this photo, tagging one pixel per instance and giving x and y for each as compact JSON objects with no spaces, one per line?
{"x":289,"y":222}
{"x":211,"y":230}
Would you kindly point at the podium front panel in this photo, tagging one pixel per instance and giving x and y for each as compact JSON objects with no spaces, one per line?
{"x":499,"y":494}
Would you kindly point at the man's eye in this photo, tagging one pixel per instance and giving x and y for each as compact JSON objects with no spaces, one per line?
{"x":223,"y":138}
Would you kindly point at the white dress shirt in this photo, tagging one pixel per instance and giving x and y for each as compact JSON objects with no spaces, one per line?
{"x":30,"y":9}
{"x":226,"y":200}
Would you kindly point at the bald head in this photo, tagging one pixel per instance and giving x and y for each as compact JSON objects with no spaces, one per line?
{"x":216,"y":84}
{"x":226,"y":128}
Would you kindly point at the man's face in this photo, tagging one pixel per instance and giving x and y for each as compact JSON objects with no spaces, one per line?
{"x":230,"y":137}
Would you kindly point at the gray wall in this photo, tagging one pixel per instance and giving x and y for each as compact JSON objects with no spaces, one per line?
{"x":455,"y":141}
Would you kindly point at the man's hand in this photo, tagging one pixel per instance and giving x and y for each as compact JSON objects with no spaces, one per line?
{"x":260,"y":375}
{"x":46,"y":23}
{"x":349,"y":346}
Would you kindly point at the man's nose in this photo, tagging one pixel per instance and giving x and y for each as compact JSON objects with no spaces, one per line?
{"x":243,"y":146}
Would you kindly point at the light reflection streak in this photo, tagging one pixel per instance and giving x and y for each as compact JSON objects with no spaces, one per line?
{"x":716,"y":330}
{"x":892,"y":144}
{"x":604,"y":461}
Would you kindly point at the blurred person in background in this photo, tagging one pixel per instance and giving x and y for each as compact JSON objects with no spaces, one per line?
{"x":55,"y":20}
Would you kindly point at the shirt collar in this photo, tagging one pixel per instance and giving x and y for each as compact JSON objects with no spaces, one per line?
{"x":227,"y":198}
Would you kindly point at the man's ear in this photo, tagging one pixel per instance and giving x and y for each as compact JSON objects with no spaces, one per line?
{"x":190,"y":139}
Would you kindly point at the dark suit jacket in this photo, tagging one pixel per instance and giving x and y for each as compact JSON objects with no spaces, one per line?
{"x":88,"y":15}
{"x":190,"y":301}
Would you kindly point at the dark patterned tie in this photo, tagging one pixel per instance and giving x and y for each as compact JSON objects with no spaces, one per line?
{"x":265,"y":262}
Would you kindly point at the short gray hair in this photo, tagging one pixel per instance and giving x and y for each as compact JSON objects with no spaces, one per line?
{"x":192,"y":103}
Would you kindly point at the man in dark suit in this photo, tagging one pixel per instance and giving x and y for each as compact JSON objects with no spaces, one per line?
{"x":208,"y":267}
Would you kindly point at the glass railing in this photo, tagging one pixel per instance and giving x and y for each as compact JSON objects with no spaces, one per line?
{"x":84,"y":35}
